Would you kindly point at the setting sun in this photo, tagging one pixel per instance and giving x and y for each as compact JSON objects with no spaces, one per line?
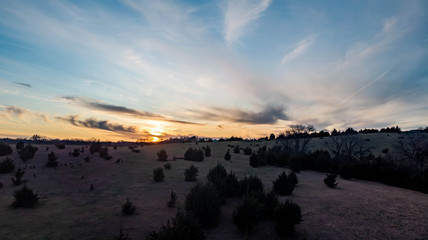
{"x":155,"y":139}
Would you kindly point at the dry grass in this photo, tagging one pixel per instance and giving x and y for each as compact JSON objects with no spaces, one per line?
{"x":70,"y":210}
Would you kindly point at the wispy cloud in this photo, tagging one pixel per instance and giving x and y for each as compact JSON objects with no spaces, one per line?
{"x":98,"y":105}
{"x":268,"y":115}
{"x":98,"y":124}
{"x":300,"y":48}
{"x":22,"y":113}
{"x":24,"y":84}
{"x":239,"y":14}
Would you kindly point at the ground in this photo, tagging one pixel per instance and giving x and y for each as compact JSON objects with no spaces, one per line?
{"x":68,"y":209}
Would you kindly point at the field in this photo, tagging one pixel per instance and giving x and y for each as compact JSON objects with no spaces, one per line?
{"x":68,"y":209}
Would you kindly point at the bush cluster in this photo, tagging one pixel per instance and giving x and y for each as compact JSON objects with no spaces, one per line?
{"x":5,"y":149}
{"x":217,"y":175}
{"x":250,"y":185}
{"x":284,"y":184}
{"x":162,"y":156}
{"x":330,"y":180}
{"x":247,"y":214}
{"x":25,"y":198}
{"x":158,"y":175}
{"x":52,"y":160}
{"x":203,"y":202}
{"x":104,"y":154}
{"x":196,"y":155}
{"x":207,"y":151}
{"x":287,"y":215}
{"x":27,"y":152}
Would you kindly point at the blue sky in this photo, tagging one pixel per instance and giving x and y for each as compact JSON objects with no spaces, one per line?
{"x":144,"y":69}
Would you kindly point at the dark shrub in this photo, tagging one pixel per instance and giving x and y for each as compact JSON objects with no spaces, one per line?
{"x":52,"y":160}
{"x":217,"y":175}
{"x":236,"y":149}
{"x":60,"y":145}
{"x":293,"y":178}
{"x":167,"y":166}
{"x":231,"y":185}
{"x":7,"y":166}
{"x":196,"y":155}
{"x":25,"y":198}
{"x":128,"y":208}
{"x":320,"y":160}
{"x":158,"y":175}
{"x":27,"y":152}
{"x":162,"y":156}
{"x":76,"y":152}
{"x":207,"y":151}
{"x":17,"y":180}
{"x":330,"y":180}
{"x":287,"y":215}
{"x":296,"y":162}
{"x":183,"y":226}
{"x":203,"y":202}
{"x":104,"y":154}
{"x":227,"y":156}
{"x":250,"y":185}
{"x":191,"y":173}
{"x":247,"y":214}
{"x":172,"y":199}
{"x":247,"y":151}
{"x":270,"y":202}
{"x":256,"y":160}
{"x":95,"y":147}
{"x":282,"y":185}
{"x":19,"y":145}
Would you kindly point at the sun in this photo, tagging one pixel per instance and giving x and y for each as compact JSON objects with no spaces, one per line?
{"x":157,"y":131}
{"x":155,"y":139}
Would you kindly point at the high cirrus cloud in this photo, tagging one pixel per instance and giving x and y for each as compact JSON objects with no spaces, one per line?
{"x":268,"y":115}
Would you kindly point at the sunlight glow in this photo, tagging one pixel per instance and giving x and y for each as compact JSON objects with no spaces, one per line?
{"x":155,"y":139}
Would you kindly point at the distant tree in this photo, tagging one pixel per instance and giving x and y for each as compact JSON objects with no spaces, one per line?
{"x":272,"y":136}
{"x":52,"y":160}
{"x":297,"y":138}
{"x":162,"y":156}
{"x":19,"y":145}
{"x":227,"y":156}
{"x":414,"y":150}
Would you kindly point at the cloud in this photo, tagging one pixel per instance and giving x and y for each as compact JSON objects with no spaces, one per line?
{"x":240,"y":13}
{"x":97,"y":105}
{"x":22,"y":113}
{"x":98,"y":124}
{"x":301,"y":47}
{"x":24,"y":84}
{"x":269,"y":115}
{"x":389,"y":23}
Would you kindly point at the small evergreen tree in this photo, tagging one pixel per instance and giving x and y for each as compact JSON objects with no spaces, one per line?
{"x":17,"y":180}
{"x":293,"y":178}
{"x":158,"y":175}
{"x":207,"y":151}
{"x":7,"y":165}
{"x":227,"y":156}
{"x":287,"y":215}
{"x":250,"y":185}
{"x":76,"y":152}
{"x":283,"y":185}
{"x":247,"y":151}
{"x":128,"y":208}
{"x":203,"y":202}
{"x":217,"y":175}
{"x":172,"y":200}
{"x":162,"y":156}
{"x":27,"y":152}
{"x":236,"y":149}
{"x":247,"y":214}
{"x":25,"y":198}
{"x":52,"y":160}
{"x":191,"y":173}
{"x":19,"y":145}
{"x":231,"y":185}
{"x":5,"y":149}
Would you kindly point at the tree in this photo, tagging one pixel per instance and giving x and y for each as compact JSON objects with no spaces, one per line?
{"x":414,"y":151}
{"x":272,"y":136}
{"x":297,"y":138}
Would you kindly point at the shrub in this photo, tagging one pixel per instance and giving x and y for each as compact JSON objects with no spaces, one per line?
{"x":217,"y":175}
{"x":19,"y":145}
{"x":5,"y":149}
{"x":183,"y":226}
{"x":52,"y":160}
{"x":247,"y":214}
{"x":162,"y":156}
{"x":247,"y":151}
{"x":104,"y":154}
{"x":76,"y":152}
{"x":236,"y":149}
{"x":283,"y":185}
{"x":293,"y":178}
{"x":330,"y":180}
{"x":231,"y":185}
{"x":203,"y":202}
{"x":270,"y":202}
{"x":287,"y":215}
{"x":250,"y":185}
{"x":27,"y":152}
{"x":25,"y":198}
{"x":158,"y":175}
{"x":172,"y":200}
{"x":17,"y":180}
{"x":128,"y":208}
{"x":167,"y":166}
{"x":196,"y":155}
{"x":7,"y":166}
{"x":95,"y":147}
{"x":60,"y":145}
{"x":207,"y":151}
{"x":190,"y":174}
{"x":227,"y":156}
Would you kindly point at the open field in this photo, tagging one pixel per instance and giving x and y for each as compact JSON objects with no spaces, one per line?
{"x":68,"y":209}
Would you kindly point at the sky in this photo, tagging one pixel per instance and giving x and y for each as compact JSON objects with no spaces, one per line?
{"x":128,"y":70}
